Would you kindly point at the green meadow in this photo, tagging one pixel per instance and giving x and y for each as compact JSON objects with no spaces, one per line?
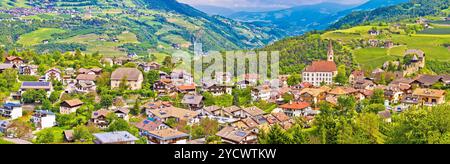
{"x":38,"y":36}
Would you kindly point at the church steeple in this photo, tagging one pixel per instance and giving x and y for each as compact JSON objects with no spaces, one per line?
{"x":330,"y":53}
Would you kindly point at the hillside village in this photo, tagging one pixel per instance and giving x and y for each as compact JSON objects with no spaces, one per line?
{"x":166,"y":107}
{"x":96,"y":74}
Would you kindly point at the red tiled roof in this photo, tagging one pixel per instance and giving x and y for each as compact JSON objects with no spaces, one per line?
{"x":186,"y":87}
{"x":295,"y":105}
{"x":322,"y":66}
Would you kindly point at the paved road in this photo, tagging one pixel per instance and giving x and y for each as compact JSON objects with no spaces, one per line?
{"x":16,"y":141}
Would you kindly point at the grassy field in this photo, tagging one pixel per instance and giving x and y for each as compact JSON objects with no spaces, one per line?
{"x":437,"y":30}
{"x":371,"y":58}
{"x":432,"y":45}
{"x":4,"y":142}
{"x":102,"y":43}
{"x":431,"y":41}
{"x":36,"y":37}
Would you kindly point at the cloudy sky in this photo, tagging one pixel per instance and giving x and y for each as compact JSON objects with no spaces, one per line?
{"x":263,"y":3}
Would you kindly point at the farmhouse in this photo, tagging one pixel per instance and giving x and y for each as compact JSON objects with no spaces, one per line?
{"x":70,"y":106}
{"x":132,"y":76}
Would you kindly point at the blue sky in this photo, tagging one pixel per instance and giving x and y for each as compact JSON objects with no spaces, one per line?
{"x":263,"y":3}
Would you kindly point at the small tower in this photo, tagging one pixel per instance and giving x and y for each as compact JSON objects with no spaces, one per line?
{"x":330,"y":52}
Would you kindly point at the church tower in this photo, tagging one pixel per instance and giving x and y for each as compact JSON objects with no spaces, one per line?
{"x":330,"y":52}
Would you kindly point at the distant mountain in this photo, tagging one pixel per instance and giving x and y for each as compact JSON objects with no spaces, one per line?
{"x":374,"y":4}
{"x":411,"y":9}
{"x":215,"y":10}
{"x":141,"y":24}
{"x":296,"y":20}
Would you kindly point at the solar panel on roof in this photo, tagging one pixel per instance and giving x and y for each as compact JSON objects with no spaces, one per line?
{"x":241,"y":133}
{"x":95,"y":114}
{"x":146,"y":122}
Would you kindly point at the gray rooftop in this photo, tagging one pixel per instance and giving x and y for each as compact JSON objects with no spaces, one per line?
{"x":114,"y":137}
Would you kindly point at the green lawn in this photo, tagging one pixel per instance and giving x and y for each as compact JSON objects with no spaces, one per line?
{"x":4,"y":142}
{"x":371,"y":58}
{"x":432,"y":45}
{"x":36,"y":37}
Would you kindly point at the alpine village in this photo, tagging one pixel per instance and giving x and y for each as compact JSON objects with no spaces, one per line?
{"x":101,"y":72}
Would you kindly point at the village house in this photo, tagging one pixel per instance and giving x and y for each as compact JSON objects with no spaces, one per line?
{"x":356,"y":75}
{"x":223,"y":77}
{"x":386,"y":116}
{"x":321,"y":71}
{"x":312,"y":95}
{"x":68,"y":135}
{"x":32,"y":85}
{"x":70,"y":106}
{"x":93,"y":71}
{"x":373,"y":42}
{"x":132,"y":76}
{"x":118,"y":137}
{"x":364,"y":84}
{"x":53,"y":74}
{"x":17,"y":61}
{"x":148,"y":125}
{"x":374,"y":32}
{"x":150,"y":66}
{"x":217,"y":89}
{"x":388,"y":44}
{"x":410,"y":100}
{"x":43,"y":119}
{"x":251,"y":112}
{"x":187,"y":89}
{"x":393,"y":94}
{"x":194,"y":102}
{"x":11,"y":110}
{"x":232,"y":112}
{"x":164,"y":114}
{"x":4,"y":67}
{"x":231,"y":135}
{"x":252,"y":78}
{"x":86,"y":78}
{"x":85,"y":86}
{"x":261,"y":92}
{"x":122,"y":113}
{"x":295,"y":109}
{"x":430,"y":97}
{"x":28,"y":70}
{"x":181,"y":77}
{"x":98,"y":118}
{"x":426,"y":81}
{"x":167,"y":136}
{"x":4,"y":126}
{"x":245,"y":124}
{"x":213,"y":110}
{"x":157,"y":105}
{"x":164,"y":86}
{"x":243,"y":84}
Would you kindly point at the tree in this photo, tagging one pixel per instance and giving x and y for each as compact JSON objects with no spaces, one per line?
{"x":294,"y":79}
{"x":130,"y":65}
{"x":377,"y":97}
{"x":54,"y":96}
{"x":136,"y":110}
{"x":341,"y":77}
{"x":277,"y":135}
{"x":123,"y":84}
{"x":81,"y":133}
{"x":287,"y":97}
{"x":119,"y":125}
{"x":106,"y":100}
{"x":298,"y":135}
{"x":374,"y":108}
